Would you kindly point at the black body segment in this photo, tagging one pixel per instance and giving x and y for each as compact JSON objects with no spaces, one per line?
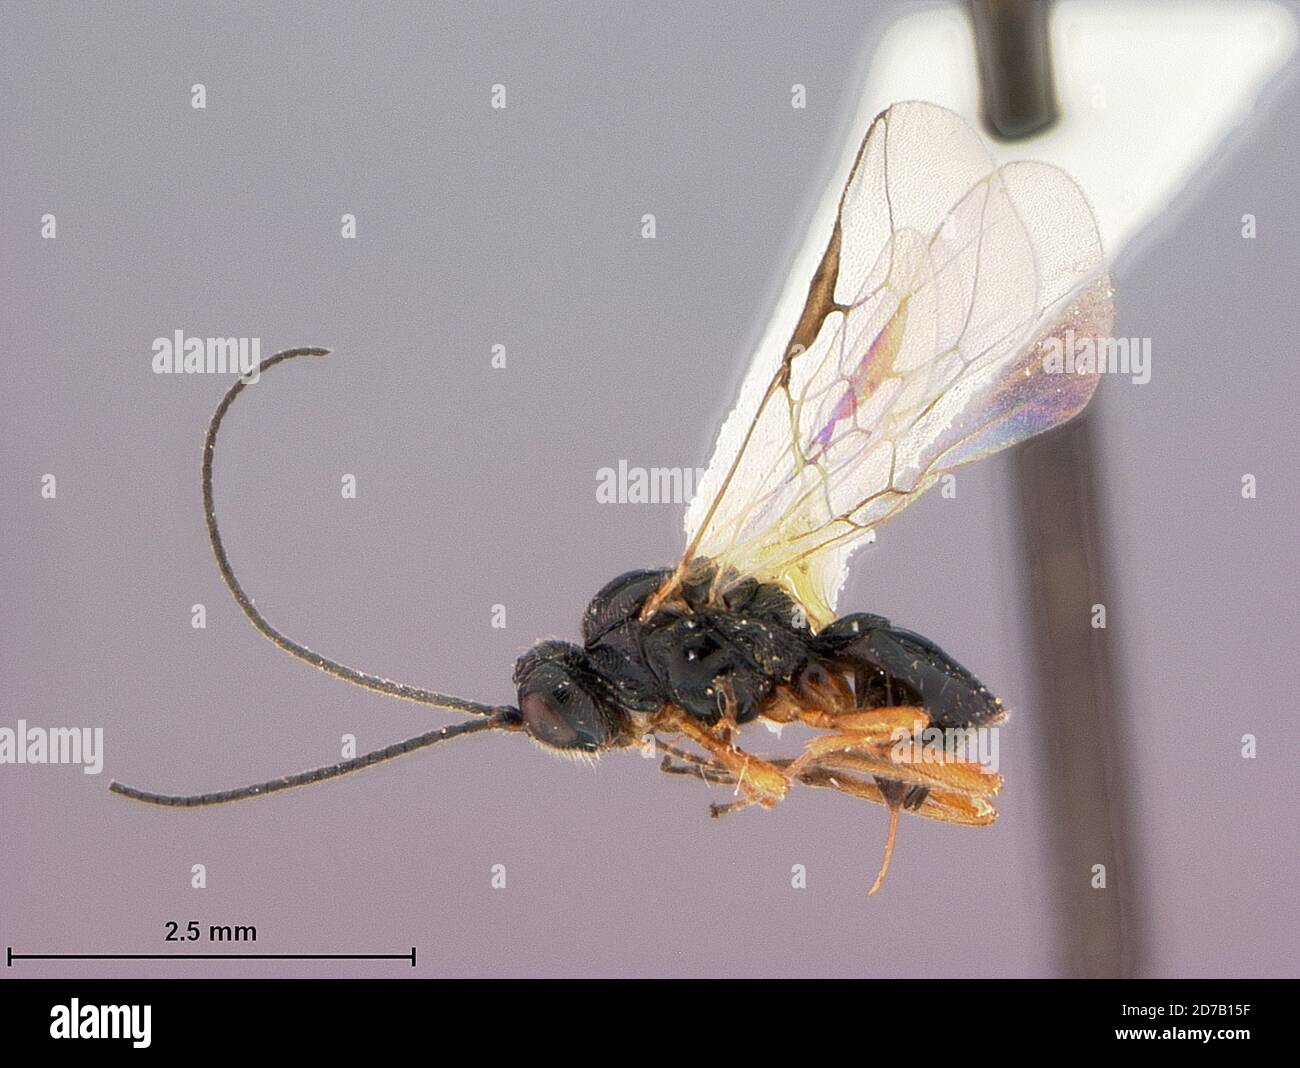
{"x":717,"y":657}
{"x":706,"y":659}
{"x":619,"y":601}
{"x":906,"y":668}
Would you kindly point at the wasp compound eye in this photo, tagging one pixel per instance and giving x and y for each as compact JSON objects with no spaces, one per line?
{"x":544,"y":721}
{"x":564,"y":717}
{"x":556,"y":708}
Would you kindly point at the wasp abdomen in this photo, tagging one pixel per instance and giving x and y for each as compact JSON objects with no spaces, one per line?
{"x":903,"y":667}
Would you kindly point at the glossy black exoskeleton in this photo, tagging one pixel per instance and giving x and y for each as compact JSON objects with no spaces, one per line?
{"x":714,"y":659}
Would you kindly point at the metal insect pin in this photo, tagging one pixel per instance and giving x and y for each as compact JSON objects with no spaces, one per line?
{"x":941,"y":325}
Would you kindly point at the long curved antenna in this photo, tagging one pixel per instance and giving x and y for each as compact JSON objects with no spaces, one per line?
{"x":329,"y":771}
{"x":330,"y":667}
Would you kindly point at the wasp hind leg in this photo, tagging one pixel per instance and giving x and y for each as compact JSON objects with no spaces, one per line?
{"x":900,"y":760}
{"x":894,"y":794}
{"x":940,"y":805}
{"x":881,"y":743}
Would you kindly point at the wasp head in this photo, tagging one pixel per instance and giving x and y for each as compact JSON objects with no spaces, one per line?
{"x":565,"y":703}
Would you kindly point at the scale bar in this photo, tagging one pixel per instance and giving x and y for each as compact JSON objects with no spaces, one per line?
{"x":11,"y":956}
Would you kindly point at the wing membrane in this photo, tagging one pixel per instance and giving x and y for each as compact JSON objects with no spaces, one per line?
{"x":922,"y":347}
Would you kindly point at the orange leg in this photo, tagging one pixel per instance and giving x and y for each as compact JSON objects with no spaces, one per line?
{"x":952,"y":775}
{"x":859,"y":729}
{"x":938,"y":805}
{"x":867,"y":743}
{"x":878,"y":725}
{"x":862,"y":759}
{"x":870,"y":737}
{"x":889,"y":850}
{"x":761,"y":782}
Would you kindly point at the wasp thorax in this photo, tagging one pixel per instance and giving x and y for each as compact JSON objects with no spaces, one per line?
{"x":564,"y":702}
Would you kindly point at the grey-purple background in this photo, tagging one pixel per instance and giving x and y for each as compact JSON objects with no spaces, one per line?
{"x":477,"y":487}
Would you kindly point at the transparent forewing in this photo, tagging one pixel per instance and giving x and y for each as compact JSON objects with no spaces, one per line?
{"x":943,"y":326}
